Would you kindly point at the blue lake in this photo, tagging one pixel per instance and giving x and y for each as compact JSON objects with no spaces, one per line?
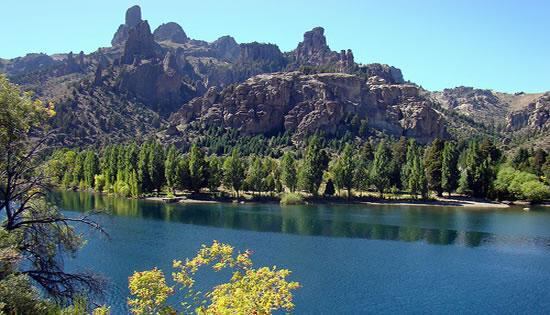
{"x":349,"y":259}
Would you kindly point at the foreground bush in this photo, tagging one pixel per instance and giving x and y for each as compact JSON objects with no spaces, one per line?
{"x":292,"y":199}
{"x":249,"y":291}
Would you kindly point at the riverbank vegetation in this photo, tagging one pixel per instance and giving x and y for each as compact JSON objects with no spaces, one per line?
{"x":400,"y":169}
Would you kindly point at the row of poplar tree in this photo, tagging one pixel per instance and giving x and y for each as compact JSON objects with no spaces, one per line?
{"x":402,"y":165}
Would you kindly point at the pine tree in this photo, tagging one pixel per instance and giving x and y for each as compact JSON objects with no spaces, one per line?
{"x":406,"y":172}
{"x":433,"y":165}
{"x":398,"y":159}
{"x":134,"y":184}
{"x":288,"y":171}
{"x":344,"y":169}
{"x":380,"y":171}
{"x":91,"y":168}
{"x":214,"y":173}
{"x":449,"y":168}
{"x":255,"y":175}
{"x":170,"y":172}
{"x":143,"y":169}
{"x":233,"y":172}
{"x":198,"y":168}
{"x":183,"y":178}
{"x":329,"y":188}
{"x":156,"y":166}
{"x":312,"y":168}
{"x":363,"y":161}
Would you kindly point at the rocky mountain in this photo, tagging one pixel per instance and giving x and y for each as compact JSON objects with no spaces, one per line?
{"x":164,"y":82}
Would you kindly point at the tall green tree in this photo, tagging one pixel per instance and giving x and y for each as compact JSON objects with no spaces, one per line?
{"x":478,"y":172}
{"x":214,"y":173}
{"x":170,"y":168}
{"x":313,"y":166}
{"x":433,"y":163}
{"x":143,"y":168}
{"x":381,"y":168}
{"x":449,"y":168}
{"x":156,"y":166}
{"x":288,"y":171}
{"x":344,"y":169}
{"x":91,"y":168}
{"x":233,"y":171}
{"x":198,"y":168}
{"x":255,"y":175}
{"x":363,"y":161}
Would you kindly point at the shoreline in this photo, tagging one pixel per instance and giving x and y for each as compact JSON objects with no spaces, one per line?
{"x":442,"y":202}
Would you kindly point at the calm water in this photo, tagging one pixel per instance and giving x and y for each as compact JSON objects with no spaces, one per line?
{"x":349,"y":259}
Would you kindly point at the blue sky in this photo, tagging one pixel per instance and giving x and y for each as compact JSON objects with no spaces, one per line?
{"x":502,"y":45}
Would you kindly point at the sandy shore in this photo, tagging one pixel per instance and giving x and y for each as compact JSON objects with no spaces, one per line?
{"x":442,"y":202}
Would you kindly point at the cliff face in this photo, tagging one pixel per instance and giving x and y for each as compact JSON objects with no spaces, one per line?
{"x":304,"y":104}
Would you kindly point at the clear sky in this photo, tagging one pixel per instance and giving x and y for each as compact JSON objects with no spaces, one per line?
{"x":495,"y":44}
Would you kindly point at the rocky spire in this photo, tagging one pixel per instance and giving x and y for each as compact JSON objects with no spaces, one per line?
{"x":314,"y":51}
{"x":170,"y":31}
{"x":314,"y":44}
{"x":133,"y":18}
{"x":140,"y":44}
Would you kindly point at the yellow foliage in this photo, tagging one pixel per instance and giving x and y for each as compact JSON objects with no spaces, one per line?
{"x":150,"y":291}
{"x":249,"y":291}
{"x":102,"y":310}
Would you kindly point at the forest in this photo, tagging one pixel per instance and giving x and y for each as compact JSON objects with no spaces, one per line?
{"x":396,"y":168}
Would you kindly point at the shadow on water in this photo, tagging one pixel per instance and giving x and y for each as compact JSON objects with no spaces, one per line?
{"x":318,"y":220}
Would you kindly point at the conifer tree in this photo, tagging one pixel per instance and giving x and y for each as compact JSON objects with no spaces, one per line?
{"x":91,"y":168}
{"x":288,"y":171}
{"x":449,"y":168}
{"x":433,"y":164}
{"x":233,"y":172}
{"x":170,"y":168}
{"x":380,"y":171}
{"x":313,"y":166}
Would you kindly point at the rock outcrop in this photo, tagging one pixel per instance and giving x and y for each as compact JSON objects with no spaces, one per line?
{"x":382,"y":74}
{"x":534,"y":117}
{"x":133,"y":18}
{"x":140,"y":44}
{"x":170,"y":31}
{"x":314,"y":51}
{"x":304,"y":104}
{"x":226,"y":48}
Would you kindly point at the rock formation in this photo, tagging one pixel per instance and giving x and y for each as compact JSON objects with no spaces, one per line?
{"x":226,"y":48}
{"x":170,"y":31}
{"x":133,"y":18}
{"x":534,"y":117}
{"x":314,"y":51}
{"x":140,"y":44}
{"x":303,"y":104}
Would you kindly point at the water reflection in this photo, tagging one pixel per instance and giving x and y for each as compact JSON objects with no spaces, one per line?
{"x":322,"y":220}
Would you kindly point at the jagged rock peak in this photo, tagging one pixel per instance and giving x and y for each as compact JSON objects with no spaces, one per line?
{"x":314,"y":42}
{"x":133,"y":16}
{"x":170,"y":31}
